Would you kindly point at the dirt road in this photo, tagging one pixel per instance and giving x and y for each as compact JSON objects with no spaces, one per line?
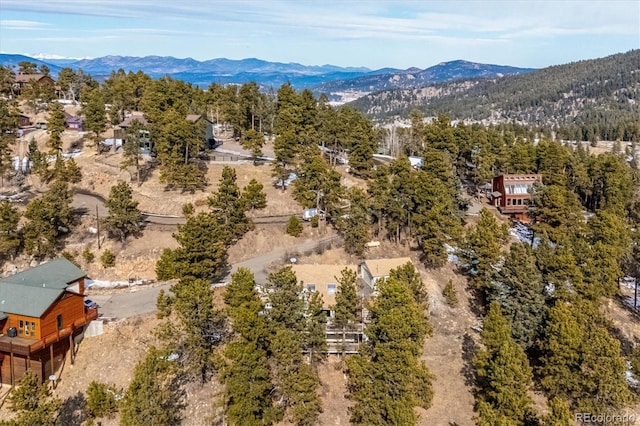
{"x":142,"y":300}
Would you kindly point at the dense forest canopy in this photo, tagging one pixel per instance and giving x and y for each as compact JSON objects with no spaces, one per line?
{"x":585,"y":100}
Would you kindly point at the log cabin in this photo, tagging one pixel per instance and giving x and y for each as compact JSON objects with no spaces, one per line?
{"x":42,"y":314}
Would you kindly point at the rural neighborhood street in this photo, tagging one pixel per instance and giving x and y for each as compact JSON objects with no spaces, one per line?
{"x":142,"y":300}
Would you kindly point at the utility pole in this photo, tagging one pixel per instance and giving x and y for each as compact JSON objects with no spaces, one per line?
{"x":98,"y":226}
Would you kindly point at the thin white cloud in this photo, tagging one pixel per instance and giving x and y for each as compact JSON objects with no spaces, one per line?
{"x":17,"y":24}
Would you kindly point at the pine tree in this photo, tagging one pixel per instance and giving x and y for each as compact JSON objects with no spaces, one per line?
{"x":504,"y":374}
{"x":348,"y":307}
{"x":49,"y":217}
{"x":560,"y":414}
{"x":287,"y":307}
{"x":483,"y":247}
{"x":33,"y":402}
{"x":315,"y":338}
{"x":253,"y":196}
{"x":202,"y":252}
{"x":294,"y":226}
{"x":581,"y":361}
{"x":356,"y":226}
{"x":9,"y":234}
{"x":153,"y":396}
{"x":408,"y":274}
{"x":253,"y":141}
{"x":387,"y":381}
{"x":95,"y":116}
{"x":245,"y":308}
{"x":229,"y":206}
{"x":248,"y":387}
{"x":55,"y":127}
{"x":131,"y":156}
{"x":124,"y":217}
{"x":201,"y":326}
{"x":520,"y":290}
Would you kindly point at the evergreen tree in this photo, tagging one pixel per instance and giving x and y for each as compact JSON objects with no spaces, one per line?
{"x":520,"y":290}
{"x":95,"y":116}
{"x":201,"y":326}
{"x":245,"y":308}
{"x":202,"y":252}
{"x":33,"y":402}
{"x":38,"y":160}
{"x":124,"y":217}
{"x":50,"y":216}
{"x":253,"y":196}
{"x":153,"y":396}
{"x":581,"y":361}
{"x":386,"y":380}
{"x":55,"y":127}
{"x":253,"y":141}
{"x":356,"y":225}
{"x":315,"y":338}
{"x":9,"y":234}
{"x":102,"y":400}
{"x":348,"y":307}
{"x":229,"y":206}
{"x":287,"y":307}
{"x":408,"y":274}
{"x":285,"y":149}
{"x":483,"y":247}
{"x":131,"y":156}
{"x":504,"y":375}
{"x":560,"y":414}
{"x":248,"y":386}
{"x":294,"y":226}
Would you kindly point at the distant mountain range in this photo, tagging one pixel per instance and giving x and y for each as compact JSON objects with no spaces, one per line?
{"x":591,"y":98}
{"x":340,"y":83}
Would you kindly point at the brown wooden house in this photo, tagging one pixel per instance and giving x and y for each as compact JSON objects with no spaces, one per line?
{"x":41,"y":313}
{"x":512,"y":193}
{"x":22,"y":80}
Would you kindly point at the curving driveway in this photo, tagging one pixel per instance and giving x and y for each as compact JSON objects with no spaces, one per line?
{"x":142,"y":300}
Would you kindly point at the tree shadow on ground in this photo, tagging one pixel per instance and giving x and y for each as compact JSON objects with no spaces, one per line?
{"x":73,"y":411}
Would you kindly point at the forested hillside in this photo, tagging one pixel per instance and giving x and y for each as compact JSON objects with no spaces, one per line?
{"x":585,"y":100}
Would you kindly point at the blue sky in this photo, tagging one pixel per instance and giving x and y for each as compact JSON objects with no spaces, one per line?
{"x":367,"y":33}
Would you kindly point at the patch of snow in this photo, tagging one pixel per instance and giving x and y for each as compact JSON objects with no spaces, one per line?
{"x":631,"y":379}
{"x":524,"y":234}
{"x":111,"y":284}
{"x":452,"y":255}
{"x":628,"y":282}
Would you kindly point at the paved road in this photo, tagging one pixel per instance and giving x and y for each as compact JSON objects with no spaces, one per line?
{"x":142,"y":300}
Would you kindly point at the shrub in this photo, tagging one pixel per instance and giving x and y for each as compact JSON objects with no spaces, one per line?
{"x":108,"y":259}
{"x":88,"y":255}
{"x":450,"y":294}
{"x":102,"y":400}
{"x":70,"y":256}
{"x":294,"y":226}
{"x":315,"y":221}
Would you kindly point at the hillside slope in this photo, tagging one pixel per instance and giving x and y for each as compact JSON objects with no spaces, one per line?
{"x":598,"y":96}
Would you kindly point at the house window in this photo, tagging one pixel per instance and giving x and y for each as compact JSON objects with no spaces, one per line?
{"x":508,"y":201}
{"x":59,"y":321}
{"x":311,"y":288}
{"x":519,"y":201}
{"x":33,"y":326}
{"x":331,"y":288}
{"x":21,"y":324}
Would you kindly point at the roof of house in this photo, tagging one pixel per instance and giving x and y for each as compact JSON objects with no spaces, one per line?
{"x":57,"y":273}
{"x":321,"y":276}
{"x":127,"y":121}
{"x":383,"y":267}
{"x":25,"y":78}
{"x":73,"y":118}
{"x":27,"y":300}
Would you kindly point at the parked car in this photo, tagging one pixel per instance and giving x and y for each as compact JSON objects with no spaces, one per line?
{"x":88,"y":303}
{"x":279,"y":183}
{"x":307,"y":214}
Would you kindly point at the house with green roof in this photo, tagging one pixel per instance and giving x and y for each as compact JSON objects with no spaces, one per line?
{"x":41,"y":312}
